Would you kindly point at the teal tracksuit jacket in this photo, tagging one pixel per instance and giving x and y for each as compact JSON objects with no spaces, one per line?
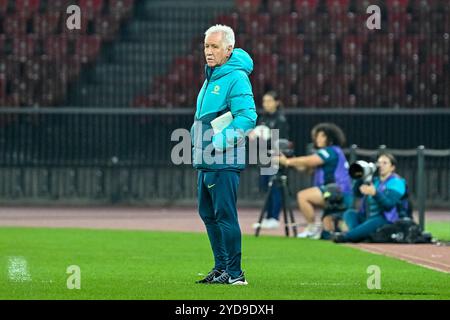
{"x":226,"y":88}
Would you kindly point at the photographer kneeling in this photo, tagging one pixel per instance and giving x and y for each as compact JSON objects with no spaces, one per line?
{"x":380,"y":200}
{"x":330,"y":167}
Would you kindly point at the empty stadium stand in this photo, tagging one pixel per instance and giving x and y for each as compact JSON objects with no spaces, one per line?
{"x":321,"y":54}
{"x":149,"y":53}
{"x":40,"y":57}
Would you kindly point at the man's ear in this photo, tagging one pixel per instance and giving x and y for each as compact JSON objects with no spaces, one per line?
{"x":229,"y":50}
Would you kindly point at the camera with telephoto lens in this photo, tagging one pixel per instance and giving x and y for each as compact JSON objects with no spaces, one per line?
{"x":284,"y":146}
{"x":278,"y":147}
{"x":362,"y":170}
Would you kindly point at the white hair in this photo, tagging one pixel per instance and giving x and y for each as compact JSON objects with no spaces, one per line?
{"x":227,"y":34}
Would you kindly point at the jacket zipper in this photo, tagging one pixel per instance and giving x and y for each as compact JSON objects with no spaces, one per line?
{"x":204,"y":93}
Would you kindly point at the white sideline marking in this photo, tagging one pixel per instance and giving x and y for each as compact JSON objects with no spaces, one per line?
{"x":18,"y":270}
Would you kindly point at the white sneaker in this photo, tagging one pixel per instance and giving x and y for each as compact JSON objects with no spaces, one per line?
{"x":312,"y":231}
{"x":259,"y":225}
{"x":271,"y":223}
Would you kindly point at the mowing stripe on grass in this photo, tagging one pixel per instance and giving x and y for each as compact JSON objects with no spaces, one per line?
{"x":426,"y":263}
{"x":18,"y":269}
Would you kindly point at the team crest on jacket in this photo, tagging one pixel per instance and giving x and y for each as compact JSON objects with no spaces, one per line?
{"x":216,"y":90}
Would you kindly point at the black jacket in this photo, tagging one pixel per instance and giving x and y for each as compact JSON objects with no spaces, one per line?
{"x":276,"y":120}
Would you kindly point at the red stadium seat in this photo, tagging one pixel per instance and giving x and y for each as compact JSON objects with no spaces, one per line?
{"x":306,"y":8}
{"x":46,"y":24}
{"x":432,"y":23}
{"x":397,"y":6}
{"x":376,"y":66}
{"x":287,"y":24}
{"x":285,"y":87}
{"x":184,"y":67}
{"x":292,"y":47}
{"x":231,"y":20}
{"x":27,"y":7}
{"x":2,"y":44}
{"x":369,"y":91}
{"x":91,"y":8}
{"x":382,"y":48}
{"x":10,"y":67}
{"x":352,"y":67}
{"x":2,"y":88}
{"x":325,"y":47}
{"x":264,"y":44}
{"x":278,"y":7}
{"x":24,"y":47}
{"x":53,"y":92}
{"x":438,"y":46}
{"x":35,"y":70}
{"x":58,"y":5}
{"x":433,"y":65}
{"x":352,"y":47}
{"x":120,"y":8}
{"x":106,"y":27}
{"x":341,"y":24}
{"x":266,"y":64}
{"x":242,"y":40}
{"x":14,"y":25}
{"x":257,"y":24}
{"x":315,"y":25}
{"x":360,"y":6}
{"x":425,"y":7}
{"x":394,"y":88}
{"x":311,"y":85}
{"x":338,"y":7}
{"x":409,"y":48}
{"x":248,"y":6}
{"x":56,"y":47}
{"x":326,"y":65}
{"x":87,"y":48}
{"x":3,"y":7}
{"x":398,"y":23}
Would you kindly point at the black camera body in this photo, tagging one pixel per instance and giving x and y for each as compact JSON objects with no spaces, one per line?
{"x":285,"y":147}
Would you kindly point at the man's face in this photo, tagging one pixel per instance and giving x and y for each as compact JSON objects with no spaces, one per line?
{"x":216,"y":53}
{"x":385,"y":167}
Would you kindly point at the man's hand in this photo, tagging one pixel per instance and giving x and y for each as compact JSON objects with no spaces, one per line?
{"x":368,"y":190}
{"x":252,"y":135}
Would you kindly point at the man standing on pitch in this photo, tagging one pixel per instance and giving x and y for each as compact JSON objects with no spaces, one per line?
{"x":219,"y":154}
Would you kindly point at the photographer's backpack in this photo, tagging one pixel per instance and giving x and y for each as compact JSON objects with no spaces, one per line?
{"x":404,"y":230}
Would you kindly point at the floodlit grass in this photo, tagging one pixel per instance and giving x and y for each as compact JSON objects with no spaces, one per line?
{"x":439,"y":229}
{"x":165,"y":265}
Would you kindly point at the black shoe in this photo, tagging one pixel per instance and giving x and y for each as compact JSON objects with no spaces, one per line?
{"x":225,"y":278}
{"x":211,"y":276}
{"x":338,"y":237}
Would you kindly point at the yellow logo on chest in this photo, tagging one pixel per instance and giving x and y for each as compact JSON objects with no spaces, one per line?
{"x":216,"y":90}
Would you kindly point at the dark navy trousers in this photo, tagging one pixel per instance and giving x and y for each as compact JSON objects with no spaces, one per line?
{"x":217,"y":196}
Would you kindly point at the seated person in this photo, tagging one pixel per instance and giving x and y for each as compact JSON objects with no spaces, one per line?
{"x":330,"y":167}
{"x":380,"y":202}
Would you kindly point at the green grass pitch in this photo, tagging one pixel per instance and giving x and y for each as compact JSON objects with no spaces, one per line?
{"x":439,"y":229}
{"x":165,"y":265}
